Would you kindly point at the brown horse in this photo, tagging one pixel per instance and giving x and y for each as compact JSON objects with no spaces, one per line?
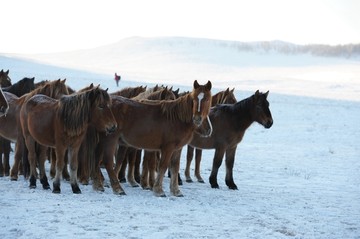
{"x":230,"y":122}
{"x":163,"y":126}
{"x":19,"y":88}
{"x":87,"y":160}
{"x":131,"y":154}
{"x":223,"y":97}
{"x":63,"y":127}
{"x":5,"y":80}
{"x":10,"y":125}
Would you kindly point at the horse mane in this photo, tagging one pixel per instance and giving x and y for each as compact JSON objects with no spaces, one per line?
{"x":74,"y":109}
{"x":238,"y":106}
{"x":129,"y":92}
{"x":178,"y":109}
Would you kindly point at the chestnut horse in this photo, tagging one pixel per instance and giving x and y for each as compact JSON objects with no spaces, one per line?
{"x":163,"y":126}
{"x":63,"y":127}
{"x":10,"y":125}
{"x":132,"y":154}
{"x":223,"y":97}
{"x":230,"y":122}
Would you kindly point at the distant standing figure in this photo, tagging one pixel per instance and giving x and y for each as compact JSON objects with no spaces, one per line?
{"x":117,"y":79}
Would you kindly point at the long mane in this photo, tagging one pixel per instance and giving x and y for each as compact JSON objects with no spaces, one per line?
{"x":75,"y":109}
{"x":179,"y":109}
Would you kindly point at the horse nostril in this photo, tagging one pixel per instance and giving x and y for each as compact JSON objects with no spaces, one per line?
{"x":112,"y":129}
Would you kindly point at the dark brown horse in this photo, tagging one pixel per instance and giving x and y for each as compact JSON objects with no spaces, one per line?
{"x":4,"y":78}
{"x":163,"y":126}
{"x":63,"y":127}
{"x":10,"y":125}
{"x":223,"y":97}
{"x":230,"y":122}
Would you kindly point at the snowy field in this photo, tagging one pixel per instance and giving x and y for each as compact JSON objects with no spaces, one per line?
{"x":298,"y":179}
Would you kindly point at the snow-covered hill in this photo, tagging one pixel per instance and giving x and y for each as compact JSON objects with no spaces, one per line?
{"x":278,"y":66}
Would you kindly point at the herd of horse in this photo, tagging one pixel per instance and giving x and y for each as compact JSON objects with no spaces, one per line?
{"x":81,"y":131}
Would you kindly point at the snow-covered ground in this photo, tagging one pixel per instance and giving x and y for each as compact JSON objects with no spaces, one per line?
{"x":298,"y":179}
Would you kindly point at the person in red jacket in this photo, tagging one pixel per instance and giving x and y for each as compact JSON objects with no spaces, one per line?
{"x":117,"y":79}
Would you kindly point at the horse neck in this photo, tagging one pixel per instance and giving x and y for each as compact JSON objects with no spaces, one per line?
{"x":243,"y":111}
{"x":179,"y":109}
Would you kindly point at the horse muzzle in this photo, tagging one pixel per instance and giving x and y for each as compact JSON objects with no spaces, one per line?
{"x":268,"y":124}
{"x":111,"y":129}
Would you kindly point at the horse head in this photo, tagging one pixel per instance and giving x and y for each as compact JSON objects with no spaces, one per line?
{"x":262,"y":113}
{"x":101,"y":115}
{"x":201,"y":96}
{"x":5,"y":80}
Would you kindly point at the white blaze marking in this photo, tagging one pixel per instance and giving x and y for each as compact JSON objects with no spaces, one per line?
{"x":200,"y":98}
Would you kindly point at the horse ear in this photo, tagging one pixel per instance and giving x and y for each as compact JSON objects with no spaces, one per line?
{"x":232,"y":91}
{"x":63,"y":81}
{"x":266,"y":94}
{"x":227,"y":90}
{"x":2,"y":71}
{"x":7,"y":72}
{"x":208,"y":85}
{"x":106,"y":89}
{"x":196,"y":84}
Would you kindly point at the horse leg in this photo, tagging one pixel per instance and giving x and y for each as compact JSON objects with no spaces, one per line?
{"x":60,"y":154}
{"x":6,"y":152}
{"x":24,"y":165}
{"x":163,"y":166}
{"x":65,"y":172}
{"x":174,"y":168}
{"x":1,"y":157}
{"x":95,"y":171}
{"x":218,"y":156}
{"x":137,"y":174}
{"x":131,"y":167}
{"x":108,"y":161}
{"x":42,"y":159}
{"x":153,"y":160}
{"x":52,"y":162}
{"x":198,"y":154}
{"x":31,"y":146}
{"x":121,"y":162}
{"x":229,"y":161}
{"x":144,"y":181}
{"x":189,"y":157}
{"x":73,"y":156}
{"x":14,"y":172}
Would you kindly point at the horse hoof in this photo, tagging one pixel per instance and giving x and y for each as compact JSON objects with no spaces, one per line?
{"x":120,"y":193}
{"x":201,"y":181}
{"x":46,"y":187}
{"x":189,"y":180}
{"x":32,"y":186}
{"x":56,"y":188}
{"x":13,"y":178}
{"x":75,"y":188}
{"x":216,"y":186}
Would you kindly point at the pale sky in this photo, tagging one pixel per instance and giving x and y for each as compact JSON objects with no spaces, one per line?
{"x":41,"y":26}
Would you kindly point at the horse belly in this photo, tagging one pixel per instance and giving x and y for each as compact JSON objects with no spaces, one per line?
{"x":41,"y":130}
